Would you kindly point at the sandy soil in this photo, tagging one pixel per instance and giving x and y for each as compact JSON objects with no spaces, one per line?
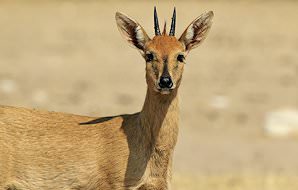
{"x":68,"y":56}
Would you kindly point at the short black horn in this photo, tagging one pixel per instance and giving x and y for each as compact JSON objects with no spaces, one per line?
{"x":156,"y":25}
{"x":173,"y":24}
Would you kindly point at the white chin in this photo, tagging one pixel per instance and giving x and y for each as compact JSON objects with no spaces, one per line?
{"x":165,"y":92}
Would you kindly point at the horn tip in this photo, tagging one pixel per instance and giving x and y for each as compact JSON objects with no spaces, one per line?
{"x":173,"y":24}
{"x":156,"y":25}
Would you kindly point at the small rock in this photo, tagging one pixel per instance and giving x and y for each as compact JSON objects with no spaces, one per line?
{"x":40,"y":96}
{"x":282,"y":123}
{"x":219,"y":102}
{"x":8,"y":86}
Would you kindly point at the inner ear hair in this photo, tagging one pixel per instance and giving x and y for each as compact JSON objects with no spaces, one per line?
{"x":197,"y":31}
{"x":132,"y":31}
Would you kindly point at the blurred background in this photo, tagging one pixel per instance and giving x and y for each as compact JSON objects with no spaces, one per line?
{"x":239,"y":95}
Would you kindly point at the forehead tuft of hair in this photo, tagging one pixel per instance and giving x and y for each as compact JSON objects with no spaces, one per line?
{"x":164,"y":32}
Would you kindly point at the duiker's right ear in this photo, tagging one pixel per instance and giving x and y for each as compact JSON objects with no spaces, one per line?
{"x":132,"y":31}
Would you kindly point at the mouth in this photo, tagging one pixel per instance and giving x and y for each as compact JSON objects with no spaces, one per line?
{"x":165,"y":91}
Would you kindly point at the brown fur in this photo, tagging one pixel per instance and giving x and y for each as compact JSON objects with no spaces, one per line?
{"x":48,"y":150}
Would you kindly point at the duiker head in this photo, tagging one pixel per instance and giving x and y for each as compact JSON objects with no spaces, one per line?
{"x":164,"y":54}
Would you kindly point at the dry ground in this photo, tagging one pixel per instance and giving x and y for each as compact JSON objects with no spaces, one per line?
{"x":68,"y":56}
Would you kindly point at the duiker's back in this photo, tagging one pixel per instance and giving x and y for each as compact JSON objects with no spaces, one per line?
{"x":39,"y":147}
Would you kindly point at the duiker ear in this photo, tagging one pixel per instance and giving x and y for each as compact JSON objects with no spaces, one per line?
{"x":132,"y":31}
{"x":197,"y":31}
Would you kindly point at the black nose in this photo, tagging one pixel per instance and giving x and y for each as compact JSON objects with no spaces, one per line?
{"x":165,"y":82}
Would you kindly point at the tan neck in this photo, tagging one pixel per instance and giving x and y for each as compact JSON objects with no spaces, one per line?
{"x":160,"y":117}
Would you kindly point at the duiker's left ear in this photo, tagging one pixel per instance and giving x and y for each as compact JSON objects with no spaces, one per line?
{"x":197,"y":31}
{"x":132,"y":31}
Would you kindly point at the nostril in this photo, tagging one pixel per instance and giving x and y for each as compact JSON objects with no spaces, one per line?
{"x":170,"y":84}
{"x":165,"y":82}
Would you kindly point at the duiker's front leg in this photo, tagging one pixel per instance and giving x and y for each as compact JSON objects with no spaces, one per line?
{"x":155,"y":185}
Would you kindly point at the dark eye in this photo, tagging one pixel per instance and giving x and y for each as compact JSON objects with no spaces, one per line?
{"x":149,"y":57}
{"x":180,"y":58}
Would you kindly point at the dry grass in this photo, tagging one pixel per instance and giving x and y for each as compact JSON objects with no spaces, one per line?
{"x":247,"y":181}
